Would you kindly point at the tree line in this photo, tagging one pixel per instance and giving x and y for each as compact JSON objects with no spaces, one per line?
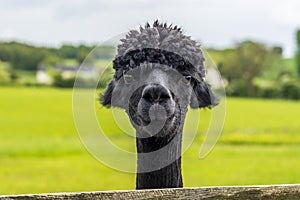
{"x":28,"y":57}
{"x":252,"y":69}
{"x":249,"y":68}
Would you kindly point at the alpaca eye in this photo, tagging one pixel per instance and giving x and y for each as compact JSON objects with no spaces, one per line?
{"x":127,"y":78}
{"x":187,"y":79}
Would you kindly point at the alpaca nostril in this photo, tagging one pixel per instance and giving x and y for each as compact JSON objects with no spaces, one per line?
{"x":148,"y":96}
{"x":156,"y":93}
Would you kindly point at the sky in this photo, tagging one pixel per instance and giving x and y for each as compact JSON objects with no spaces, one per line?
{"x":215,"y":23}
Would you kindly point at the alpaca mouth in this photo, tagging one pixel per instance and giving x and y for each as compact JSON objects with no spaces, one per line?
{"x":154,"y":120}
{"x":155,"y":127}
{"x":143,"y":121}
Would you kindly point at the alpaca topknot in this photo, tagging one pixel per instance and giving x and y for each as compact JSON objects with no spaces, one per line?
{"x":164,"y":25}
{"x":165,"y":37}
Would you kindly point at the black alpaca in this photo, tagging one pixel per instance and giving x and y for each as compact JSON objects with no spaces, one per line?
{"x":158,"y":73}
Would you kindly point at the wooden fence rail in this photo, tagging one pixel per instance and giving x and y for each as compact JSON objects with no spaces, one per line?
{"x":284,"y":192}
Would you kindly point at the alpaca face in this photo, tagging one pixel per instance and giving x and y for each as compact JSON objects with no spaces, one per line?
{"x":158,"y":73}
{"x":161,"y":97}
{"x":156,"y":96}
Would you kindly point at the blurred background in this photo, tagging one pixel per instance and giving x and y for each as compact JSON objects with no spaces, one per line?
{"x":255,"y":45}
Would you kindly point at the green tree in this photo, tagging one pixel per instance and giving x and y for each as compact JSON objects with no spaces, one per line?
{"x":4,"y":75}
{"x":68,"y":51}
{"x":51,"y":60}
{"x":22,"y":56}
{"x":244,"y":63}
{"x":298,"y":51}
{"x":82,"y":53}
{"x":276,"y":66}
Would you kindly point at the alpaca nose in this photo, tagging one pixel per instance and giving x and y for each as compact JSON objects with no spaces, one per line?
{"x":156,"y":93}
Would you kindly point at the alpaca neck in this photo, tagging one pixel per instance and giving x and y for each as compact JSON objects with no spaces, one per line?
{"x":163,"y":154}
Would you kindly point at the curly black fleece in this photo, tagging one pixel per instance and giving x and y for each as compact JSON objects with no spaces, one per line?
{"x":136,"y":57}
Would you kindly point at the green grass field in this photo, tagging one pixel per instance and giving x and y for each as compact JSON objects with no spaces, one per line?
{"x":40,"y":150}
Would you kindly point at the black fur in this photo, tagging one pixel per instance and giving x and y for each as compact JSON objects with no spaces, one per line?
{"x":202,"y":94}
{"x":106,"y":97}
{"x":163,"y":45}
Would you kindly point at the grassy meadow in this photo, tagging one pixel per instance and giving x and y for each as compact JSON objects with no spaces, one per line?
{"x":40,"y":150}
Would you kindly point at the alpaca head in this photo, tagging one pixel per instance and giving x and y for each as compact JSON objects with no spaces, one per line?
{"x":158,"y":73}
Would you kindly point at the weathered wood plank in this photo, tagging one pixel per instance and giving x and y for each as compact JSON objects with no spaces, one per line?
{"x":284,"y":192}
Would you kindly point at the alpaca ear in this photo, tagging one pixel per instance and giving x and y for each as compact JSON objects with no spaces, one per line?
{"x":105,"y":98}
{"x":202,"y":95}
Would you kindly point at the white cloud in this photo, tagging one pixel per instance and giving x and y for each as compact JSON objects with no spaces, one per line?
{"x":215,"y":23}
{"x":286,"y":13}
{"x":8,"y":34}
